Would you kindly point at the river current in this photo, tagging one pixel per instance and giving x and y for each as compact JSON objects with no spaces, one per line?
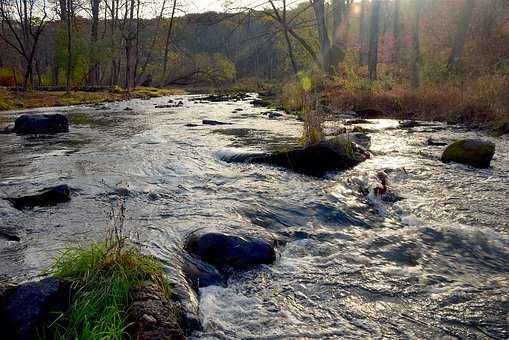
{"x":430,"y":262}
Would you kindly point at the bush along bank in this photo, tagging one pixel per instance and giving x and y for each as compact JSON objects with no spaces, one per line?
{"x":480,"y":103}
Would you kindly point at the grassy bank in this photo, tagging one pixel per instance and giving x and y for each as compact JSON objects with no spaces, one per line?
{"x":10,"y":100}
{"x":102,"y":277}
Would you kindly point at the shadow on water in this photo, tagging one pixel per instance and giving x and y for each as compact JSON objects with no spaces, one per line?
{"x":429,"y":262}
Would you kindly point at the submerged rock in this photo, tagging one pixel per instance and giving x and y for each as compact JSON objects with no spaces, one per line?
{"x":259,"y":103}
{"x":226,"y":250}
{"x":503,"y":129}
{"x":24,"y":309}
{"x":9,"y":236}
{"x":474,"y":152}
{"x":405,"y":124}
{"x":357,"y":121}
{"x":223,"y":97}
{"x":6,"y":129}
{"x":332,"y":155}
{"x":40,"y":124}
{"x":433,"y":142}
{"x":201,"y":274}
{"x":213,"y":122}
{"x":47,"y":197}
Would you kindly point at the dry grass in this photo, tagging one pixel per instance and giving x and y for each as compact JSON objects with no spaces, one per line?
{"x":32,"y":99}
{"x":480,"y":102}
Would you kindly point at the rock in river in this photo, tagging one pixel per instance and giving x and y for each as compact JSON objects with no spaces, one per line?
{"x":40,"y":124}
{"x":226,"y":250}
{"x":27,"y":307}
{"x":201,"y":274}
{"x":474,"y":152}
{"x":331,"y":155}
{"x":47,"y":197}
{"x":213,"y":122}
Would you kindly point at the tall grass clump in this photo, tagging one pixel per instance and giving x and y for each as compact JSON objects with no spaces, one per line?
{"x":101,"y":276}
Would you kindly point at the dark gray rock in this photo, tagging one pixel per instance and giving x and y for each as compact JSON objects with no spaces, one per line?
{"x":357,"y":121}
{"x":474,"y":152}
{"x":26,"y":308}
{"x":213,"y":122}
{"x":41,"y":124}
{"x":226,"y":250}
{"x":201,"y":274}
{"x":47,"y":197}
{"x":406,"y":124}
{"x":259,"y":103}
{"x":433,"y":142}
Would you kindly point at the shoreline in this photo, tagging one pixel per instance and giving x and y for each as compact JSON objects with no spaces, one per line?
{"x":11,"y":100}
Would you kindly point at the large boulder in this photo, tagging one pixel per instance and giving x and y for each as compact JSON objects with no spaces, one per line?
{"x":40,"y":124}
{"x":474,"y":152}
{"x":24,"y":309}
{"x":317,"y":159}
{"x":226,"y":250}
{"x":47,"y":197}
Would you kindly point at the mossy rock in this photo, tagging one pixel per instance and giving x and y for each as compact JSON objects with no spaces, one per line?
{"x":474,"y":152}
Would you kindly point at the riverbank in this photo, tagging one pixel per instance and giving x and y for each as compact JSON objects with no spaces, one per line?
{"x":480,"y":103}
{"x":11,"y":100}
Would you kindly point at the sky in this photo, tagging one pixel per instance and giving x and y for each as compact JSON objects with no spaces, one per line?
{"x":196,"y":6}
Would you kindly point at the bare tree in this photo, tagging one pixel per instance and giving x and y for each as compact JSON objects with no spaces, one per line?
{"x":396,"y":30}
{"x":68,"y":19}
{"x":21,"y":28}
{"x":415,"y":74}
{"x":323,"y":36}
{"x":167,"y":42}
{"x":94,"y":70}
{"x":461,"y":35}
{"x":281,"y":18}
{"x":331,"y":52}
{"x":363,"y":33}
{"x":373,"y":39}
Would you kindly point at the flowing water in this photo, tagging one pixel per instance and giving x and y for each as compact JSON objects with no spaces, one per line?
{"x":433,"y":263}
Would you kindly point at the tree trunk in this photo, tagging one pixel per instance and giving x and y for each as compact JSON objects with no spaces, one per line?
{"x":396,"y":30}
{"x":373,"y":40}
{"x":167,"y":43}
{"x":69,"y":46}
{"x":94,"y":71}
{"x":461,"y":35}
{"x":319,"y":9}
{"x":363,"y":34}
{"x":338,"y":46}
{"x":416,"y":49}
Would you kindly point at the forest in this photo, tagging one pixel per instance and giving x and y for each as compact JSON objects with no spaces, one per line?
{"x":387,"y":49}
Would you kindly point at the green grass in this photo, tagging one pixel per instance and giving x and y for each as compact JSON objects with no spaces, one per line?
{"x":102,"y":276}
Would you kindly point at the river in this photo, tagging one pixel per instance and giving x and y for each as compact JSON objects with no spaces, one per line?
{"x":433,"y":262}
